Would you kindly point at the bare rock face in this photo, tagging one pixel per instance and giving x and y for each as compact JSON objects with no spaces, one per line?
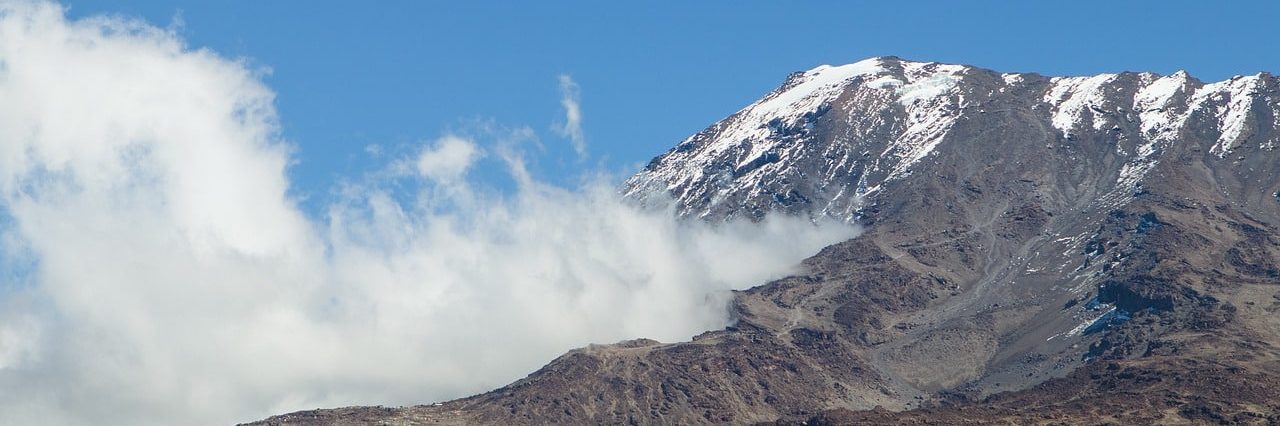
{"x":1038,"y":249}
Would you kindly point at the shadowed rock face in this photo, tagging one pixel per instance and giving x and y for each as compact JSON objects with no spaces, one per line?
{"x":1037,"y":250}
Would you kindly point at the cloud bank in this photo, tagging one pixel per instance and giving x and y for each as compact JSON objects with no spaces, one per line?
{"x":155,"y":270}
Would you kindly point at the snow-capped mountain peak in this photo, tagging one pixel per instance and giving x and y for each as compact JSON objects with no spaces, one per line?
{"x":830,"y":138}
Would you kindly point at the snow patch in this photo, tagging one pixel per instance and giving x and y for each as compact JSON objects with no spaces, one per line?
{"x":1154,"y":104}
{"x":816,"y":86}
{"x":927,"y":88}
{"x":1073,"y":99}
{"x":1235,"y":117}
{"x":885,"y":82}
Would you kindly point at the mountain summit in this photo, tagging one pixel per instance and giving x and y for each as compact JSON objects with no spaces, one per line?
{"x":1038,"y":249}
{"x":832,"y":136}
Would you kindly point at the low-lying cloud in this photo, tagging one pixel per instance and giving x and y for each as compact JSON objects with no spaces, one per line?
{"x":155,"y":270}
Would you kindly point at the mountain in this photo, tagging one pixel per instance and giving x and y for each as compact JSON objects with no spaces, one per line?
{"x":1037,"y":250}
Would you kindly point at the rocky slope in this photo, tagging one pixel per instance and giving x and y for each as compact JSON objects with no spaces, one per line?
{"x":1065,"y":249}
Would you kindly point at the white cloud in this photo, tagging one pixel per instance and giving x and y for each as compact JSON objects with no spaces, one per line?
{"x":448,"y":159}
{"x":571,"y":100}
{"x":169,"y":279}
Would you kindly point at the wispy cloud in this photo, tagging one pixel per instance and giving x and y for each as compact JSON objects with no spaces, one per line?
{"x":168,"y":278}
{"x":571,"y":100}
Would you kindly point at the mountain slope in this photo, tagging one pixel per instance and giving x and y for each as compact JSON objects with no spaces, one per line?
{"x":1026,"y":236}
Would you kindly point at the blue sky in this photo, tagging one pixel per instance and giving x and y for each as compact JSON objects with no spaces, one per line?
{"x":395,"y":74}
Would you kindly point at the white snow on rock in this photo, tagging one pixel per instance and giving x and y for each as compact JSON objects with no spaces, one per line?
{"x":1012,"y":79}
{"x":930,"y":83}
{"x":753,"y":136}
{"x":788,"y":105}
{"x":894,"y":114}
{"x":1074,"y":99}
{"x":1232,"y":104}
{"x":1234,"y":118}
{"x":886,"y":82}
{"x":818,"y":87}
{"x":931,"y":114}
{"x":815,"y":87}
{"x":1159,"y":119}
{"x":1155,"y":108}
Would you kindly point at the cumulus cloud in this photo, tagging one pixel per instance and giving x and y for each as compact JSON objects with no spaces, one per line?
{"x":571,"y":100}
{"x":155,"y":270}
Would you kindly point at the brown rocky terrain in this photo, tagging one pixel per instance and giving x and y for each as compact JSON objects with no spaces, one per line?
{"x":1100,"y":250}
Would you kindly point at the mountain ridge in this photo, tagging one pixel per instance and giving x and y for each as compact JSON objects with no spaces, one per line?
{"x":925,"y":90}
